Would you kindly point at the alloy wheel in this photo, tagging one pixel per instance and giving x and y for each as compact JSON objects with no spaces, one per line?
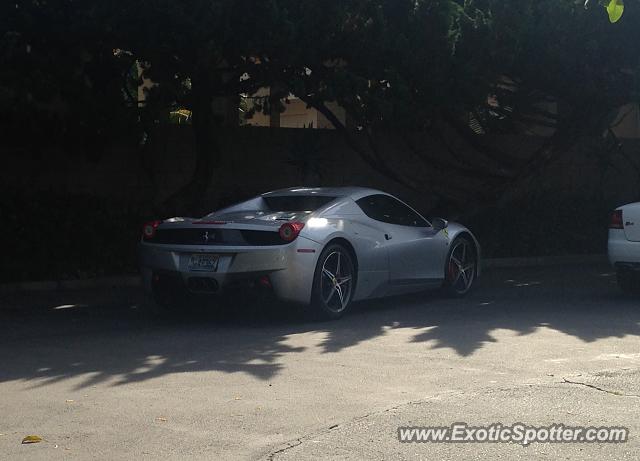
{"x":461,"y":269}
{"x":336,"y":282}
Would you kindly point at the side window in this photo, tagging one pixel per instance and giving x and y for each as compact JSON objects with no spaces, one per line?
{"x":389,"y":210}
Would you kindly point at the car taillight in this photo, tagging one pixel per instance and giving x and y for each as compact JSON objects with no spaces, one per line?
{"x":616,"y":220}
{"x":289,"y":231}
{"x":149,"y":229}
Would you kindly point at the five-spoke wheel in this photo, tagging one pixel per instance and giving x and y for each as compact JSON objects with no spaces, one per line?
{"x":461,"y":268}
{"x":334,"y":282}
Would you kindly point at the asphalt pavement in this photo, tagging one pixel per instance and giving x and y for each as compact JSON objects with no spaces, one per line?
{"x":97,"y":377}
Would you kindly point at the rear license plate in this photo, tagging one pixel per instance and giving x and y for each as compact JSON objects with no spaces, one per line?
{"x":203,"y":263}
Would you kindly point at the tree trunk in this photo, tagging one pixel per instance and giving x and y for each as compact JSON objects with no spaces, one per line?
{"x":188,"y":199}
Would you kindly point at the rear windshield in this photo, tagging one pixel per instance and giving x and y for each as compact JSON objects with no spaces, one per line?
{"x":296,"y":202}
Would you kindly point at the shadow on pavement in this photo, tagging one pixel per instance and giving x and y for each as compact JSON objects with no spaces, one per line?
{"x":105,"y":336}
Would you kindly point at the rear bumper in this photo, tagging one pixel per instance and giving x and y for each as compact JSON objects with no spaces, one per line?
{"x":622,"y":252}
{"x":290,"y":271}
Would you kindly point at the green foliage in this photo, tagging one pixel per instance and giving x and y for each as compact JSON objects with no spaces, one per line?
{"x":388,"y":62}
{"x":615,"y":8}
{"x":62,"y":76}
{"x":67,"y":66}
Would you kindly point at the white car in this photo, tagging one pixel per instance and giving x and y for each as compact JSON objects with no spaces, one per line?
{"x":624,"y":245}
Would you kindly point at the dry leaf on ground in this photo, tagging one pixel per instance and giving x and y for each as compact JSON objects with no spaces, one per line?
{"x":32,"y":439}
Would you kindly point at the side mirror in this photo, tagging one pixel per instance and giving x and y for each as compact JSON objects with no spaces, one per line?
{"x":439,"y":223}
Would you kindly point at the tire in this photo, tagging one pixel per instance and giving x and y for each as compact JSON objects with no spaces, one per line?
{"x":334,"y":283}
{"x":461,"y":268}
{"x":165,"y":298}
{"x":627,"y":280}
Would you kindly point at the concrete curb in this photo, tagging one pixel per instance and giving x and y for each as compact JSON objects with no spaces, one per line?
{"x":134,"y":280}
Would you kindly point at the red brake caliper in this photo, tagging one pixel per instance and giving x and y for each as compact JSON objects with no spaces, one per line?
{"x":452,"y":271}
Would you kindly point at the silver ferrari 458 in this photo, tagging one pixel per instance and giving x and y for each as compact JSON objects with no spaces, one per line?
{"x":323,"y":247}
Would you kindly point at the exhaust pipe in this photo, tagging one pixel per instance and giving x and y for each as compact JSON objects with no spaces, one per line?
{"x":203,"y":285}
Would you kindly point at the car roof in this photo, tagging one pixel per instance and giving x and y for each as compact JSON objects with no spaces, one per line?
{"x":353,"y":192}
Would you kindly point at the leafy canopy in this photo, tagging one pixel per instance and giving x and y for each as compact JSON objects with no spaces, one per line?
{"x":389,"y":63}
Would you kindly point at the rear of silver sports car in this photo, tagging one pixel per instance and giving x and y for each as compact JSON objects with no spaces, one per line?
{"x":263,"y":251}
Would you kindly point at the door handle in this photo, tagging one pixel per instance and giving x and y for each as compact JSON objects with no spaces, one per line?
{"x":387,"y":236}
